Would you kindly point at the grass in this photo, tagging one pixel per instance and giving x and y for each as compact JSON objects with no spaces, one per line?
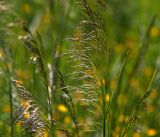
{"x":79,"y":68}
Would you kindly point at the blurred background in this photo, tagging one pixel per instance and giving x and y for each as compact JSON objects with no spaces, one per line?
{"x":52,"y":22}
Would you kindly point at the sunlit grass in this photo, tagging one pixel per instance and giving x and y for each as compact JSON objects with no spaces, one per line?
{"x":79,"y":69}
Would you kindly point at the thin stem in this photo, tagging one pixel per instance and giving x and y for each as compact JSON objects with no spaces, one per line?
{"x":104,"y":111}
{"x":133,"y":116}
{"x":104,"y":127}
{"x":73,"y":114}
{"x":31,"y":44}
{"x":142,"y":51}
{"x":48,"y":94}
{"x":11,"y":110}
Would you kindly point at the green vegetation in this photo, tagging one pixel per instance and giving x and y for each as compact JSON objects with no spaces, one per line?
{"x":87,"y":68}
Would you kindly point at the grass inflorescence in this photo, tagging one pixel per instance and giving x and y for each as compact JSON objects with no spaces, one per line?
{"x":87,"y":80}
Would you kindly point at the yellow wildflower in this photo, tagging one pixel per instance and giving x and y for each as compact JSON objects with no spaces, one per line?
{"x":62,"y":108}
{"x":103,"y":82}
{"x":154,"y":31}
{"x":126,"y":118}
{"x":130,"y":43}
{"x":115,"y":134}
{"x":154,"y":94}
{"x":133,"y":53}
{"x":112,"y":84}
{"x":121,"y":118}
{"x":122,"y":99}
{"x":22,"y":74}
{"x":6,"y":109}
{"x":133,"y":83}
{"x":150,"y":108}
{"x":1,"y":54}
{"x":151,"y":132}
{"x":107,"y":97}
{"x":46,"y":17}
{"x":67,"y":120}
{"x":119,"y":48}
{"x":136,"y":134}
{"x":117,"y":129}
{"x":26,"y":8}
{"x":148,"y":71}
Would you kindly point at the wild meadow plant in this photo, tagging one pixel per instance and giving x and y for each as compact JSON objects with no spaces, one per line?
{"x":97,"y":96}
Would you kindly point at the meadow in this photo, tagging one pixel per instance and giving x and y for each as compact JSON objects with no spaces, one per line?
{"x":79,"y":68}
